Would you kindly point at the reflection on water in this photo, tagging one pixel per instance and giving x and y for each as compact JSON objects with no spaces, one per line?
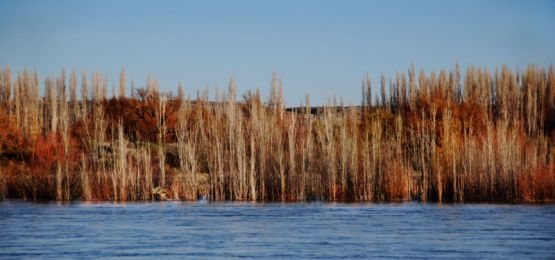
{"x":275,"y":230}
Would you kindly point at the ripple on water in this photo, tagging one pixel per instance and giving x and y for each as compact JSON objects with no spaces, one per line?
{"x":275,"y":230}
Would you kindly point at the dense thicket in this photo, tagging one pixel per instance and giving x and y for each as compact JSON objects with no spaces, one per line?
{"x":431,"y":137}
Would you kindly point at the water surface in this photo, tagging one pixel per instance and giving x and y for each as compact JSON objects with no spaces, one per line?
{"x":275,"y":230}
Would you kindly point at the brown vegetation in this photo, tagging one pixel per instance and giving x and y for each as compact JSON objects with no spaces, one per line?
{"x":437,"y":137}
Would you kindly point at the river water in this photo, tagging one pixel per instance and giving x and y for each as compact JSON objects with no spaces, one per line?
{"x":275,"y":230}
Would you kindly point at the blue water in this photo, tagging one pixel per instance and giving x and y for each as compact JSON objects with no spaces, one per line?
{"x":275,"y":230}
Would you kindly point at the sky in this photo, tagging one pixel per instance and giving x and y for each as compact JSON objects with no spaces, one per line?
{"x":320,"y":47}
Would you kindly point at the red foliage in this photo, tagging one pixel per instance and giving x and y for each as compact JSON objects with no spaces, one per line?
{"x":49,"y":150}
{"x":538,"y":184}
{"x":139,"y":116}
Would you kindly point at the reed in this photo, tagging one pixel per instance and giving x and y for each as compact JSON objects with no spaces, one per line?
{"x":484,"y":136}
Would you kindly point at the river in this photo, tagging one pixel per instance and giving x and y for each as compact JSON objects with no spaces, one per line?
{"x":275,"y":230}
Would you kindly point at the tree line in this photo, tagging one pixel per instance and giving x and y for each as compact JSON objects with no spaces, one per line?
{"x":481,"y":136}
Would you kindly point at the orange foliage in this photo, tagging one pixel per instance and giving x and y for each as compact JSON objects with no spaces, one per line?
{"x":11,"y":140}
{"x":538,"y":184}
{"x":396,"y":183}
{"x":139,"y":115}
{"x":49,"y":150}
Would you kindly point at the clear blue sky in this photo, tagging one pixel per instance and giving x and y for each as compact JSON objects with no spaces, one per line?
{"x":321,"y":47}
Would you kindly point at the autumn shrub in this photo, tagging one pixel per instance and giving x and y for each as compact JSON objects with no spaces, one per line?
{"x":537,"y":184}
{"x":11,"y":138}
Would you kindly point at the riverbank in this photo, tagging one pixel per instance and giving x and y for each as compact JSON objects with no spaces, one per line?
{"x":439,"y":137}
